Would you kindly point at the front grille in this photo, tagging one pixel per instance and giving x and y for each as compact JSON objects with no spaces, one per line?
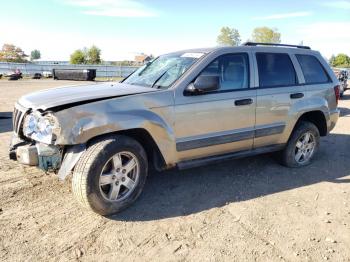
{"x":17,"y":118}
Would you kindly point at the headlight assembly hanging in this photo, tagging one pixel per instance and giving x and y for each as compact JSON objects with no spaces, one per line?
{"x":42,"y":128}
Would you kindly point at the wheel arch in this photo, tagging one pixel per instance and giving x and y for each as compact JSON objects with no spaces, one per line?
{"x":318,"y":118}
{"x":142,"y":136}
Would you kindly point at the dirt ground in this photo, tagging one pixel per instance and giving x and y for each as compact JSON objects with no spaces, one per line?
{"x":250,"y":209}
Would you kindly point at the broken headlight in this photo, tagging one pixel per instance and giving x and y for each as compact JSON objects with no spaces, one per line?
{"x":42,"y":128}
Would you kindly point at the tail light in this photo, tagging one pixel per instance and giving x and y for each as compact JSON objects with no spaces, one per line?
{"x":337,"y":93}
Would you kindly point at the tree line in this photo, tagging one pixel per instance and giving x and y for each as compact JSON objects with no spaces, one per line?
{"x":12,"y":53}
{"x":15,"y":54}
{"x":86,"y":55}
{"x":228,"y":36}
{"x":341,"y":60}
{"x":231,"y":36}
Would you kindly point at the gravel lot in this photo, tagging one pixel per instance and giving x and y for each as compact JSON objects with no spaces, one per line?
{"x":250,"y":209}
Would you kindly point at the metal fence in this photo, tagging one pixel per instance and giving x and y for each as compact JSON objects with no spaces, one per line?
{"x":29,"y":69}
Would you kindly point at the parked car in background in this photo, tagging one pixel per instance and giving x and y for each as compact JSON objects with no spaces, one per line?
{"x":183,"y":109}
{"x":14,"y":75}
{"x":37,"y":76}
{"x":342,"y":75}
{"x":47,"y":74}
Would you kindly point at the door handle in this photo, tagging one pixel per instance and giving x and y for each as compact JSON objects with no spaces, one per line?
{"x":243,"y":102}
{"x":296,"y":95}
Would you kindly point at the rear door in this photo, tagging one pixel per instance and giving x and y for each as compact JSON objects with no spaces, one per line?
{"x":278,"y":92}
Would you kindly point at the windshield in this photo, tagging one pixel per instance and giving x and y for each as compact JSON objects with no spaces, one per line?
{"x":163,"y":71}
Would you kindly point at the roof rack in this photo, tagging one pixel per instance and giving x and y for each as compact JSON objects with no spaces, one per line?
{"x":272,"y":44}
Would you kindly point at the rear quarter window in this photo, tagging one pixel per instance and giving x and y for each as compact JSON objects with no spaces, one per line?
{"x":314,"y":72}
{"x":275,"y":70}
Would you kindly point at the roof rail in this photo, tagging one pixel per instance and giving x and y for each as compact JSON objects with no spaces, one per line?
{"x":272,"y":44}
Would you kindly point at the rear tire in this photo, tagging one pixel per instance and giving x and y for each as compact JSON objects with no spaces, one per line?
{"x":302,"y":145}
{"x":110,"y":175}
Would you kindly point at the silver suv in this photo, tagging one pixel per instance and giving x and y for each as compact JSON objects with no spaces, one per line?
{"x":183,"y":110}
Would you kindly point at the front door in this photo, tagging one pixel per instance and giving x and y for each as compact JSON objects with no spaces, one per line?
{"x":220,"y":121}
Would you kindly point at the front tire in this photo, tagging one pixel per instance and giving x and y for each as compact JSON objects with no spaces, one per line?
{"x":110,"y":175}
{"x":303,"y":144}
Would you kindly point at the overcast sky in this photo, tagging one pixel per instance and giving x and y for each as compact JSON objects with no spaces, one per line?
{"x":123,"y":28}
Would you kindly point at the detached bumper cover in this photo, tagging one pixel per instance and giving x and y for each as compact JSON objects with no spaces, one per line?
{"x":15,"y":143}
{"x":27,"y":155}
{"x":46,"y":157}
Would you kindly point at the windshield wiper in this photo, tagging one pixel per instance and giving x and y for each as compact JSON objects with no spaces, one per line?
{"x":147,"y":66}
{"x":161,"y":76}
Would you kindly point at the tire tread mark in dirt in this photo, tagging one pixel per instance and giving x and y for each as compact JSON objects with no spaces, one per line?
{"x":89,"y":239}
{"x":259,"y":237}
{"x":11,"y":180}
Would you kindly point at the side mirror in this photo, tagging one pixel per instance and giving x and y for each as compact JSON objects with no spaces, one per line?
{"x":204,"y":84}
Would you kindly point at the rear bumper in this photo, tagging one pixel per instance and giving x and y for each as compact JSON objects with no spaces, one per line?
{"x":333,"y":118}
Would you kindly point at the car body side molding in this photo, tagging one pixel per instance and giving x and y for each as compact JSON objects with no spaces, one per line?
{"x":190,"y":143}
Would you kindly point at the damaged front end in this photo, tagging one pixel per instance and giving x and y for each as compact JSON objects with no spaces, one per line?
{"x":46,"y":157}
{"x":33,"y":143}
{"x":49,"y":158}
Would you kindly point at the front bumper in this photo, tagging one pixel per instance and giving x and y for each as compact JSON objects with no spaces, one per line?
{"x":46,"y":157}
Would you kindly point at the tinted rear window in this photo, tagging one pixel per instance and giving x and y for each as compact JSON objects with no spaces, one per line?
{"x":313,"y":71}
{"x":275,"y":70}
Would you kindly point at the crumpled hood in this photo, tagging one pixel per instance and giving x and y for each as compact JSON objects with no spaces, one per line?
{"x":72,"y":94}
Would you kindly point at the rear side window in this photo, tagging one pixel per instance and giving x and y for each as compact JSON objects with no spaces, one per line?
{"x":275,"y":70}
{"x":313,"y":71}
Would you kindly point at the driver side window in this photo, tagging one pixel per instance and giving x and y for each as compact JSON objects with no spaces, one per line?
{"x":232,"y":70}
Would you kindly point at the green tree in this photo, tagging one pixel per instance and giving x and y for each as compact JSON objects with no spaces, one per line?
{"x":35,"y":55}
{"x":90,"y":55}
{"x":12,"y":53}
{"x":266,"y":35}
{"x":228,"y":37}
{"x":331,"y":60}
{"x":93,"y":55}
{"x":341,"y":60}
{"x":78,"y":57}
